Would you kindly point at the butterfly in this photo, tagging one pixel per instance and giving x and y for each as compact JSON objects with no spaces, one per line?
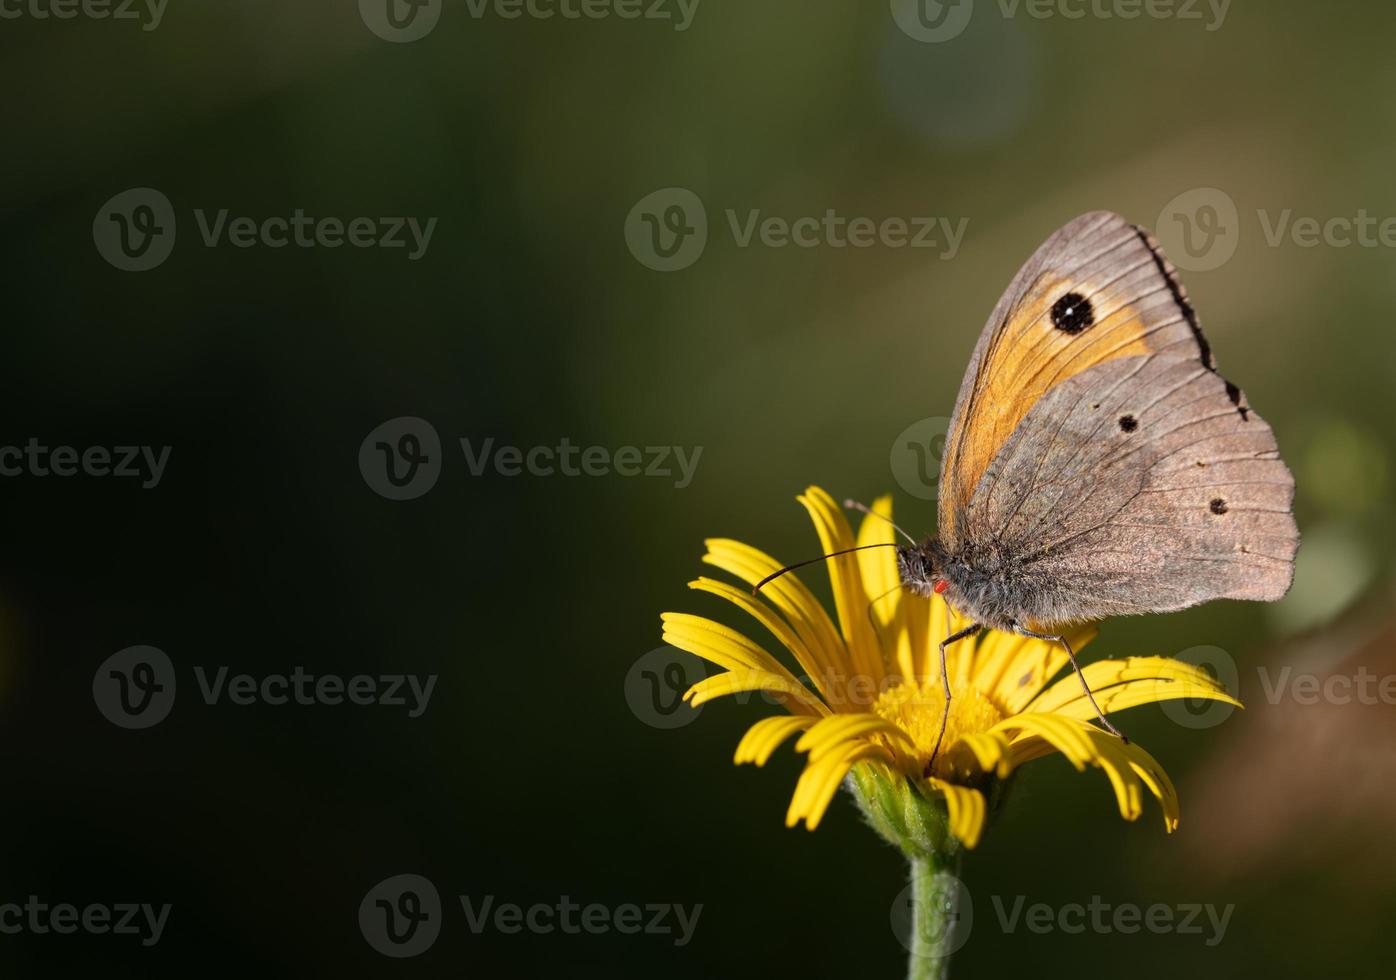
{"x":1097,"y":464}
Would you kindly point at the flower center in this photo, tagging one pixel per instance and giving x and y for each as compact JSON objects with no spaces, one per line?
{"x":916,"y":709}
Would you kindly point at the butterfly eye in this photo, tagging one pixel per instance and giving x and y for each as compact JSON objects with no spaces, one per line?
{"x":941,"y":585}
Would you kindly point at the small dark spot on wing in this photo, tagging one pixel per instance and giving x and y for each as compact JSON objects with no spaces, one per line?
{"x":1128,"y":423}
{"x":1217,"y":506}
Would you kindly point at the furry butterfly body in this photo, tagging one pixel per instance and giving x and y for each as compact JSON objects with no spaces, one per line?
{"x":1097,"y":464}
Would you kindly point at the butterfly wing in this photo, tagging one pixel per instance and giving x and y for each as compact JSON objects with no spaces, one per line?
{"x":1137,"y":485}
{"x":1097,"y":290}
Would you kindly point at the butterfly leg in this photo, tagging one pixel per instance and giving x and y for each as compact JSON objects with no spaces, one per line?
{"x":945,"y":681}
{"x":1077,"y":667}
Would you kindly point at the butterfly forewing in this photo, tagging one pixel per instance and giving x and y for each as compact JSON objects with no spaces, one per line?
{"x":1098,"y":290}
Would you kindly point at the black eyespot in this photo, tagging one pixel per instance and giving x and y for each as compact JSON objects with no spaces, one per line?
{"x":1072,"y":313}
{"x":1128,"y":423}
{"x":1217,"y":506}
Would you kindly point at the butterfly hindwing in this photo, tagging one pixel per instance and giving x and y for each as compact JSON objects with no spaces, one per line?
{"x":1098,"y":290}
{"x":1137,"y":486}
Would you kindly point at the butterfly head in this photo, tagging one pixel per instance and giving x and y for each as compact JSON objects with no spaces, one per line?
{"x":921,"y":568}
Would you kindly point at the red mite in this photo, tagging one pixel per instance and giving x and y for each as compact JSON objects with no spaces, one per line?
{"x":941,"y":585}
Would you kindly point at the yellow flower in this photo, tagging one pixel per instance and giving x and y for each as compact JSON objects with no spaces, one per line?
{"x":875,"y":699}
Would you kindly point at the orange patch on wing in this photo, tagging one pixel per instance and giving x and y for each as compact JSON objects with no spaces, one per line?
{"x":1030,"y":355}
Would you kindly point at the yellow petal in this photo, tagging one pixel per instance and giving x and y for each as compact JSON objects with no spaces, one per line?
{"x":966,"y":808}
{"x":878,"y":566}
{"x":1153,"y":775}
{"x":820,"y":781}
{"x":1110,"y":756}
{"x":960,"y":655}
{"x":831,"y":732}
{"x":793,"y":695}
{"x":807,"y":658}
{"x":989,"y":750}
{"x":788,"y":594}
{"x":1037,"y":662}
{"x":764,"y":737}
{"x":1120,"y":684}
{"x":1128,"y":766}
{"x":1063,"y":734}
{"x":719,"y":644}
{"x":850,"y":598}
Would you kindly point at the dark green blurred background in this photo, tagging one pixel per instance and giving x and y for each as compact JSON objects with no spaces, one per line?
{"x":529,"y":320}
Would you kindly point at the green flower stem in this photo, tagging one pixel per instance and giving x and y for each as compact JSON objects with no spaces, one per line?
{"x":919,"y":828}
{"x":935,"y":898}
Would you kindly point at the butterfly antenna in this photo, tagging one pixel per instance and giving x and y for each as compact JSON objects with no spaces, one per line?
{"x":801,"y":564}
{"x":854,"y":505}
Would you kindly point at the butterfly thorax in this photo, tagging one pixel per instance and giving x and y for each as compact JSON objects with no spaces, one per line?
{"x":978,"y":583}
